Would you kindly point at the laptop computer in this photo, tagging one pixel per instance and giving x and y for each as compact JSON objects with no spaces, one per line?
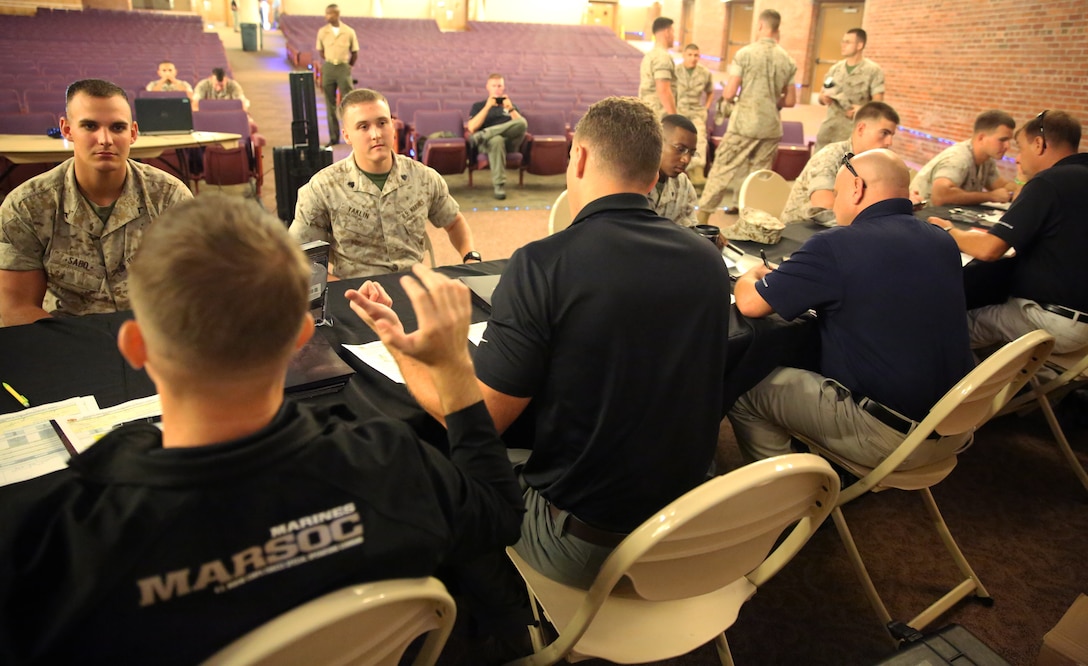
{"x":164,"y":115}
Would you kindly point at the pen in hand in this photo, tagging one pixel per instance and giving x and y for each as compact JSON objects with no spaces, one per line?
{"x":15,"y":394}
{"x":763,"y":256}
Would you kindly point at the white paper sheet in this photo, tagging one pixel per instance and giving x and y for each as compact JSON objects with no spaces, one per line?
{"x":29,"y":446}
{"x":378,"y":357}
{"x":86,"y":429}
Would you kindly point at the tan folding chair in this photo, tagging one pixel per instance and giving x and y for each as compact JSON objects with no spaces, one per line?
{"x":965,"y":408}
{"x":764,"y":190}
{"x":1072,"y":369}
{"x":365,"y":625}
{"x":679,"y":580}
{"x":560,"y":217}
{"x":429,"y":247}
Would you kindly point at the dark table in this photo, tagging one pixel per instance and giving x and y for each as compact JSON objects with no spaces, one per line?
{"x":55,"y":359}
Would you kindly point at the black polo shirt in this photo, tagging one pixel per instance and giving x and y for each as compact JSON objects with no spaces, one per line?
{"x":616,"y":328}
{"x":1048,"y":226}
{"x":496,"y":115}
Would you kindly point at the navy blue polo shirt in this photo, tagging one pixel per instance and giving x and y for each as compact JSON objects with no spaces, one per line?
{"x":888,"y":291}
{"x":617,"y":328}
{"x":1048,"y":226}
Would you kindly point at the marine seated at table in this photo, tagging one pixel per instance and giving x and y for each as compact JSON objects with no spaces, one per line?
{"x":966,"y":173}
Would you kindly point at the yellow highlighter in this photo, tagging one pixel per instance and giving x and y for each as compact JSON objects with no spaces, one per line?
{"x":15,"y":394}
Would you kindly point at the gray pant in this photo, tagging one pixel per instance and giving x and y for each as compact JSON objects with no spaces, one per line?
{"x":333,"y":77}
{"x":498,"y":140}
{"x":997,"y":324}
{"x":559,"y":556}
{"x":793,"y":400}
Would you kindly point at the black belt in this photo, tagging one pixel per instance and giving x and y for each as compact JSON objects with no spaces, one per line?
{"x":888,"y":417}
{"x":587,"y":532}
{"x":1068,"y":313}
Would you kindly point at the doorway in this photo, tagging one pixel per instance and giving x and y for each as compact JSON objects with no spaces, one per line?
{"x":603,"y":13}
{"x":738,"y":30}
{"x":687,"y":24}
{"x":832,"y":22}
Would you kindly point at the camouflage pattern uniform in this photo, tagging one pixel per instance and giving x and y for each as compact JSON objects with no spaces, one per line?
{"x":850,"y":88}
{"x":46,"y":224}
{"x":751,"y":141}
{"x":956,"y":163}
{"x":675,"y":200}
{"x":370,"y":231}
{"x":178,"y":84}
{"x":205,"y":89}
{"x":819,"y":174}
{"x":690,"y":87}
{"x":656,"y":65}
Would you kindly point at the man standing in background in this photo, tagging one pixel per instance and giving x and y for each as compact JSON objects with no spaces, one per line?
{"x":763,"y":73}
{"x":657,"y":74}
{"x":850,"y":84}
{"x":693,"y":81}
{"x":339,"y":48}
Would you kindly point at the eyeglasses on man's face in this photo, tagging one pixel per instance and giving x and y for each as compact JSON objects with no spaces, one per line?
{"x":683,"y":150}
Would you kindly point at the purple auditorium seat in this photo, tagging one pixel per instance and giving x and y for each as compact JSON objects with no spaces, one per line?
{"x":546,"y":150}
{"x":228,"y":166}
{"x":446,"y":155}
{"x":793,"y":152}
{"x":49,"y":101}
{"x":27,"y":123}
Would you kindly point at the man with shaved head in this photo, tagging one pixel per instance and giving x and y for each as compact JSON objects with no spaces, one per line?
{"x":888,"y":292}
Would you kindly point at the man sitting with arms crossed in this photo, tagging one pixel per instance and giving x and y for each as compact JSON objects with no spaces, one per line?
{"x":966,"y":173}
{"x":74,"y":229}
{"x":497,"y":128}
{"x":150,"y":528}
{"x":888,"y":292}
{"x":674,"y":196}
{"x":1046,"y":226}
{"x":373,"y":205}
{"x":618,"y":434}
{"x":812,"y":194}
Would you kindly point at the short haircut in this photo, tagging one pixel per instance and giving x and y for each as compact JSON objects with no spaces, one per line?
{"x":328,"y":7}
{"x":625,"y":135}
{"x":167,"y":62}
{"x":863,"y":36}
{"x":771,"y":19}
{"x":495,"y":75}
{"x":221,"y":284}
{"x":874,"y":110}
{"x":661,"y":23}
{"x":988,"y":121}
{"x":360,"y":96}
{"x":691,"y":47}
{"x":94,"y":88}
{"x":676,"y":120}
{"x":218,"y":73}
{"x":1056,"y":127}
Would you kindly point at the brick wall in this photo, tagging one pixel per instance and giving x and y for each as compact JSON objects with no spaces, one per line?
{"x":945,"y":62}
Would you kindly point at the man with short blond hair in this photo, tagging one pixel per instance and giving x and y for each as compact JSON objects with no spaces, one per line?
{"x":73,"y":231}
{"x":763,"y":74}
{"x":966,"y":173}
{"x":243,"y":505}
{"x":568,"y":333}
{"x":373,"y":206}
{"x":813,"y":193}
{"x":497,"y":128}
{"x":338,"y":46}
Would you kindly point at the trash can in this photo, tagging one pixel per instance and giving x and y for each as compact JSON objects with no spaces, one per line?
{"x":249,"y":36}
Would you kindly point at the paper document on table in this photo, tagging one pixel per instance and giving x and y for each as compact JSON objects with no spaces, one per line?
{"x":1004,"y":205}
{"x":965,"y":258}
{"x":29,"y":446}
{"x":378,"y":357}
{"x":86,"y":429}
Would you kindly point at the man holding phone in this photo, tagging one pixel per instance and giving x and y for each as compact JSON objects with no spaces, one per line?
{"x":497,"y":128}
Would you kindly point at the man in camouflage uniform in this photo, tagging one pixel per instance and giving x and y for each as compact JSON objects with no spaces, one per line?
{"x":850,"y":83}
{"x":966,"y":173}
{"x":373,"y":206}
{"x":674,"y":196}
{"x":813,"y":193}
{"x":763,"y":72}
{"x":168,"y":80}
{"x":656,"y":74}
{"x":74,"y":229}
{"x":693,"y":82}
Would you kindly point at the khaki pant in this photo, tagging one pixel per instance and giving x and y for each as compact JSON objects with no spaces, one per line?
{"x":698,"y":118}
{"x":736,"y":156}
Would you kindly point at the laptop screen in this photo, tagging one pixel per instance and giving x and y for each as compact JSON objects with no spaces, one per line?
{"x":164,"y":115}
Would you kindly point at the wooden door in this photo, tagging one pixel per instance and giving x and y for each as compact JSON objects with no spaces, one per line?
{"x":687,"y":22}
{"x":602,"y":13}
{"x":738,"y":30}
{"x":832,"y":22}
{"x":450,"y":14}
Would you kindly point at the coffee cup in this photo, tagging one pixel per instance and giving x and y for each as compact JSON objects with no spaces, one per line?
{"x":709,"y":232}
